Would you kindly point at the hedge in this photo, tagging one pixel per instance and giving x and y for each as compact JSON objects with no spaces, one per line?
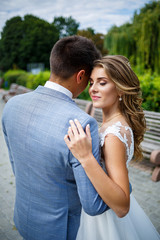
{"x":26,"y":79}
{"x":150,"y":85}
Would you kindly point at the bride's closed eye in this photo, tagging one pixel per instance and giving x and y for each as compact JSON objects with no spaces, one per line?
{"x":103,"y":83}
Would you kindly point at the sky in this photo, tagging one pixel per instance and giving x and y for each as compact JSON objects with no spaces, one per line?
{"x":101,"y":15}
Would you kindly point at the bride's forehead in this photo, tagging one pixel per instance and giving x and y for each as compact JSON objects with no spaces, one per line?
{"x":98,"y":73}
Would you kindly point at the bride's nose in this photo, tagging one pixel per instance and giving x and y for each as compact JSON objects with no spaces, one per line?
{"x":93,"y":88}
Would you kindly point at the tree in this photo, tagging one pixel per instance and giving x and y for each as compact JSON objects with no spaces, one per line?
{"x":97,"y":38}
{"x":147,"y":35}
{"x":120,"y":40}
{"x":66,"y":26}
{"x":139,"y":40}
{"x":11,"y":37}
{"x":26,"y":40}
{"x":39,"y":38}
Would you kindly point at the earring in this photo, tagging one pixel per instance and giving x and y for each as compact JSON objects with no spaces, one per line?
{"x":120,"y":98}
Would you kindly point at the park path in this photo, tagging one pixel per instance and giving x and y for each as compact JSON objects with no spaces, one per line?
{"x":145,"y":191}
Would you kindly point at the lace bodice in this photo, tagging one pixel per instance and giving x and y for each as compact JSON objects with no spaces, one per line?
{"x":124,"y":133}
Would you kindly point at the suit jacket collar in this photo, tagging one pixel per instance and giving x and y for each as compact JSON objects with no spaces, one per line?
{"x":51,"y":92}
{"x":58,"y":87}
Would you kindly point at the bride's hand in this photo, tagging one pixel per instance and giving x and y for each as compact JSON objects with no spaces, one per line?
{"x":79,"y":142}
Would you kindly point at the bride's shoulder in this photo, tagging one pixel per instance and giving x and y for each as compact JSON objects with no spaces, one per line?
{"x":119,"y":129}
{"x":117,"y":126}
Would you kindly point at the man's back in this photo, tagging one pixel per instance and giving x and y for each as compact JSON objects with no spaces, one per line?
{"x":47,"y":203}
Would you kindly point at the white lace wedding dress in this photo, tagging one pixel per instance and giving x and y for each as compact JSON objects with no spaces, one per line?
{"x":107,"y":226}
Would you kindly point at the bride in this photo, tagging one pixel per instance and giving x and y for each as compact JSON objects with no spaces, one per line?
{"x":115,"y":89}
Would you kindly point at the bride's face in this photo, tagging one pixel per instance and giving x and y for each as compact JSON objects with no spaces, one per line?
{"x":102,"y":90}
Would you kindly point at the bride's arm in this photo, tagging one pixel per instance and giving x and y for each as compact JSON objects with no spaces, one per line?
{"x":114,"y":187}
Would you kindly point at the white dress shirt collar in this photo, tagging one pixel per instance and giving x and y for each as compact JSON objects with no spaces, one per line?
{"x":58,"y":88}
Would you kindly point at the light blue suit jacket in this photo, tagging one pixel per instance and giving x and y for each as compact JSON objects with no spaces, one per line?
{"x":51,"y":185}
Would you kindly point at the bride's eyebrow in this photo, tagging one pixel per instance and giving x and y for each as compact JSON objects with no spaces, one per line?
{"x":102,"y":78}
{"x":99,"y":78}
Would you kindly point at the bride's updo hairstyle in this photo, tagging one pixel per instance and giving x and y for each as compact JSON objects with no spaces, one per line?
{"x":118,"y":70}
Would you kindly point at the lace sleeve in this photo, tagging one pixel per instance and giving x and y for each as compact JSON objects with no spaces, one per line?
{"x":125,"y":135}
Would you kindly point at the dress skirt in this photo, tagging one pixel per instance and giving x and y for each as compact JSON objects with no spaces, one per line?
{"x":108,"y":226}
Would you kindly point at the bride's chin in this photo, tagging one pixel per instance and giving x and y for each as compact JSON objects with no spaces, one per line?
{"x":96,"y":105}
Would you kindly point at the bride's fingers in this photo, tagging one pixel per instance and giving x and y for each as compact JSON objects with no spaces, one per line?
{"x":66,"y":139}
{"x":79,"y":127}
{"x":88,"y":131}
{"x":73,"y":127}
{"x":70,"y":134}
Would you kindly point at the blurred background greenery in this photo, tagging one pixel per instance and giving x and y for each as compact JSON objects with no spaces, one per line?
{"x":30,"y":40}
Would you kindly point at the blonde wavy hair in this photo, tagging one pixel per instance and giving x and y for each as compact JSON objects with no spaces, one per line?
{"x":118,"y":70}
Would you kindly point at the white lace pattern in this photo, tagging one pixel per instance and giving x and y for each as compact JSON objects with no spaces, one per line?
{"x":124,"y":133}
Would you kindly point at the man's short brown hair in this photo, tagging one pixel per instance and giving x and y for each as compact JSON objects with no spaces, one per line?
{"x":72,"y":54}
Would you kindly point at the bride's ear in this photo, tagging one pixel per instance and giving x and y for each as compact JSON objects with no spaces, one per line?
{"x":120,"y":94}
{"x":80,"y":76}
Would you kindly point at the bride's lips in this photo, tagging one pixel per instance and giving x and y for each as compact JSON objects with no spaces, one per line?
{"x":95,"y":98}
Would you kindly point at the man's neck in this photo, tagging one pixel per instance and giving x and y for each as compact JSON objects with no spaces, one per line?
{"x":59,"y":88}
{"x":69,"y":83}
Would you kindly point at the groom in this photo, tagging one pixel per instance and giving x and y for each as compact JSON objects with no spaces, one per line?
{"x":51,"y":185}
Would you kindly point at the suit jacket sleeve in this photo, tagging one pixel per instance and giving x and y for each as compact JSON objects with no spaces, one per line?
{"x":6,"y":139}
{"x":90,"y":200}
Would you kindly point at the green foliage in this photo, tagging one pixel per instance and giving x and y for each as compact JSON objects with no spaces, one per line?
{"x":139,"y":40}
{"x":12,"y":76}
{"x":10,"y":42}
{"x":65,"y":26}
{"x":97,"y":38}
{"x":35,"y":80}
{"x":150,"y":86}
{"x":119,"y":40}
{"x":26,"y":79}
{"x":22,"y":79}
{"x":40,"y":36}
{"x":147,"y":35}
{"x":30,"y":40}
{"x":85,"y":94}
{"x":27,"y":40}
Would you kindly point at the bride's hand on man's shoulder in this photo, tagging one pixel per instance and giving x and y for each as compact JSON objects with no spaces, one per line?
{"x":78,"y":141}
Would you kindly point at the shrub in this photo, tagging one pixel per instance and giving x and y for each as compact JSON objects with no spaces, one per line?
{"x":85,"y":94}
{"x":26,"y":79}
{"x":34,"y":81}
{"x":22,"y":79}
{"x":150,"y":86}
{"x":11,"y":76}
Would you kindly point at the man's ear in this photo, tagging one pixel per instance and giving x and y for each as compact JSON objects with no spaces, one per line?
{"x":80,"y":76}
